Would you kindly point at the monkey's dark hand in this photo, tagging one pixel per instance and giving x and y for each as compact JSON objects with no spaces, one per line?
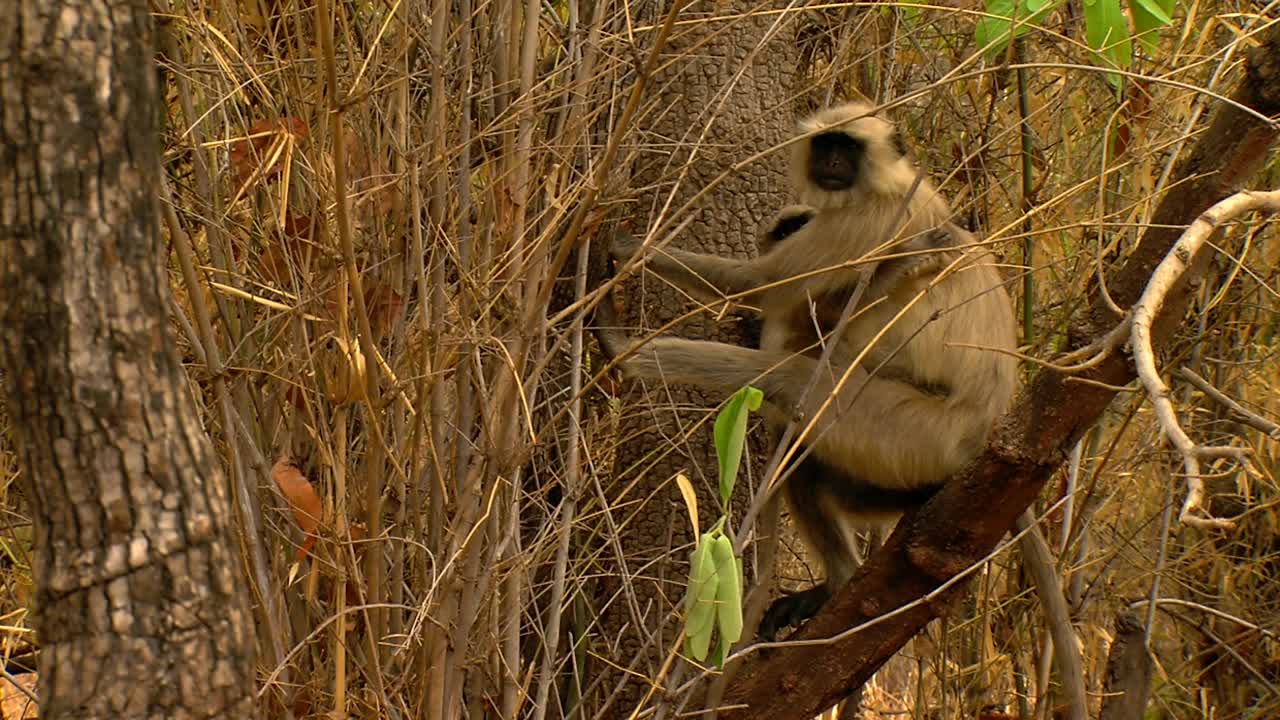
{"x":792,"y":610}
{"x":752,"y":326}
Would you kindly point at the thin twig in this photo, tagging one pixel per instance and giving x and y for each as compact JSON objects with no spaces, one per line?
{"x":1247,"y":416}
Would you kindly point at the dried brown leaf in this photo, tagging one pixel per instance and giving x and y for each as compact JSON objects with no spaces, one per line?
{"x":16,"y":704}
{"x":302,"y":497}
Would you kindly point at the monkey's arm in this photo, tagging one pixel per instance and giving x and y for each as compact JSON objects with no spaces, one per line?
{"x":705,"y":276}
{"x":896,"y":435}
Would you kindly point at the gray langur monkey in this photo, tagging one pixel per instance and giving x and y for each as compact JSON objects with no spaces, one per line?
{"x":923,"y":399}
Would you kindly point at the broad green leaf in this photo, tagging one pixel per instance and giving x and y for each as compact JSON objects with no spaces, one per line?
{"x":1108,"y":35}
{"x":1161,"y":10}
{"x":722,"y":650}
{"x":728,"y":591}
{"x":700,"y":599}
{"x":993,"y":30}
{"x":731,"y":435}
{"x":697,"y":645}
{"x":1148,"y":17}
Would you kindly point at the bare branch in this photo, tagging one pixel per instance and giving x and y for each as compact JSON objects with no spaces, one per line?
{"x":1172,"y":268}
{"x":1066,"y":648}
{"x":1247,"y":416}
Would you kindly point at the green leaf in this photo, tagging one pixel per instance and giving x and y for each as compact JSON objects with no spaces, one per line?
{"x":1148,"y":17}
{"x":696,"y":646}
{"x":1108,"y":35}
{"x":1161,"y":10}
{"x":731,"y":436}
{"x":728,"y":591}
{"x":700,"y":599}
{"x":993,"y":30}
{"x":722,"y":650}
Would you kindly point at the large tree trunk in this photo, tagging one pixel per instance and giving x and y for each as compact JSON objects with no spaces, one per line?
{"x":139,"y":609}
{"x":725,"y":96}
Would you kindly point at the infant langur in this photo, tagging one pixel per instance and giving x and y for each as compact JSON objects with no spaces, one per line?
{"x":920,"y":403}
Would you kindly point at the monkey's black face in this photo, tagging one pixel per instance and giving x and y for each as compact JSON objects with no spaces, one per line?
{"x":834,"y":158}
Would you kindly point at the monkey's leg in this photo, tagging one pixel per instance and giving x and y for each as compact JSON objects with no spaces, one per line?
{"x":828,"y":505}
{"x":816,"y":517}
{"x":897,"y":436}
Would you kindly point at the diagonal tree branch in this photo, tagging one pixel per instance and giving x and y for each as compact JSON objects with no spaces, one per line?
{"x":968,"y":517}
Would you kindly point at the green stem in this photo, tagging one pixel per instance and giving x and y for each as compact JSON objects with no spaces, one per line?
{"x":1028,"y":189}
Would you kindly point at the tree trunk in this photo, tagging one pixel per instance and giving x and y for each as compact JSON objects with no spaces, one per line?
{"x":734,"y":83}
{"x":140,"y":612}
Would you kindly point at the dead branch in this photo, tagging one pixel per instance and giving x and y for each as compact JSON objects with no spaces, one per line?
{"x":1171,"y":270}
{"x":1247,"y":416}
{"x":1128,"y":671}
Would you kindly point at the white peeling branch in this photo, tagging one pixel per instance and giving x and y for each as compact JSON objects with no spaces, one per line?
{"x":1144,"y":312}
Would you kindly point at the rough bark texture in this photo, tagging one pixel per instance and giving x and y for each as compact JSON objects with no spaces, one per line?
{"x":705,"y":62}
{"x":139,"y":609}
{"x":964,"y":521}
{"x":1128,"y":671}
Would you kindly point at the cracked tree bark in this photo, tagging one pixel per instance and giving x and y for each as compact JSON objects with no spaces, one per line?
{"x":719,"y":78}
{"x":969,"y":516}
{"x":140,"y":612}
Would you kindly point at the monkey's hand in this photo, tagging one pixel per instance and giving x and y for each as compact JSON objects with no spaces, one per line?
{"x":623,"y":248}
{"x":793,"y":609}
{"x":612,"y":342}
{"x":639,"y":359}
{"x":752,"y":328}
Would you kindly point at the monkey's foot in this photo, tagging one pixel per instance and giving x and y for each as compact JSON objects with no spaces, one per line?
{"x":793,"y":609}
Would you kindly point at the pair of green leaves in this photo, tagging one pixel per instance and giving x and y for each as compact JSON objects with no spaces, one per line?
{"x":713,"y":604}
{"x":714,"y":601}
{"x":1106,"y":30}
